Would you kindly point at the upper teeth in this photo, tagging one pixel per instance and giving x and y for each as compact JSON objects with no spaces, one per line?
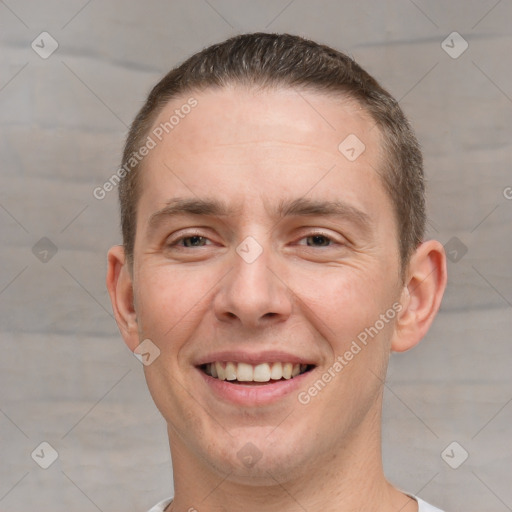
{"x":258,"y":373}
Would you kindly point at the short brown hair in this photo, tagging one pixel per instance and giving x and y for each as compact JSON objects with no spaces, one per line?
{"x":284,"y":60}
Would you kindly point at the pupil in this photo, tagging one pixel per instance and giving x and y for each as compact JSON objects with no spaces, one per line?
{"x":318,"y":239}
{"x":190,"y":241}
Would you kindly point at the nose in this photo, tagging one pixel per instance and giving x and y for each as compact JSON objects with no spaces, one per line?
{"x":253,"y":293}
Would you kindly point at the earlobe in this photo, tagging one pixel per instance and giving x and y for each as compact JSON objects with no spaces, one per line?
{"x":422,"y":294}
{"x":120,"y":288}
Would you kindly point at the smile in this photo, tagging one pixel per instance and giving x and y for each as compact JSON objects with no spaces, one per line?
{"x":260,"y":373}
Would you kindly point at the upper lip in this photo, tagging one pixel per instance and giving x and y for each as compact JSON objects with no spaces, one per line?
{"x":254,"y":358}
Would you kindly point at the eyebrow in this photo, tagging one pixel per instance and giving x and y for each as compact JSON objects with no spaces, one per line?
{"x":310,"y":207}
{"x":297,"y":207}
{"x":189,"y":206}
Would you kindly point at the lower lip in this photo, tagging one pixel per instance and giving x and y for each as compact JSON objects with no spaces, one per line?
{"x":254,"y":395}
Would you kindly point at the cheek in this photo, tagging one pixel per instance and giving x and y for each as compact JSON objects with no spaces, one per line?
{"x":172,"y":304}
{"x":341,"y":301}
{"x":170,"y":301}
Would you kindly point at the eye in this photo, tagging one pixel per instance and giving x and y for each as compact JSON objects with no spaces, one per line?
{"x":189,"y":241}
{"x":317,"y":240}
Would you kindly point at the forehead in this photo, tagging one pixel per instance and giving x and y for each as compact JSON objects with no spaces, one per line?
{"x":275,"y":143}
{"x":239,"y":114}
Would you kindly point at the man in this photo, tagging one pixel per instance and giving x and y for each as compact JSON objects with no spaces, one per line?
{"x":272,"y":205}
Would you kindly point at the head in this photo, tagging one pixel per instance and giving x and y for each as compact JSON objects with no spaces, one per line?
{"x":254,"y":232}
{"x":272,"y":61}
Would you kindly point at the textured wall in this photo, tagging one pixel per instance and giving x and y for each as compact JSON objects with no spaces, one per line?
{"x":66,"y":377}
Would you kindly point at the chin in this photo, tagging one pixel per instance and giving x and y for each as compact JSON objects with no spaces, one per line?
{"x":270,"y":470}
{"x":254,"y":460}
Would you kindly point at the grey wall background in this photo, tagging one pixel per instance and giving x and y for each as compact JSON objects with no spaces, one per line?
{"x":66,"y":377}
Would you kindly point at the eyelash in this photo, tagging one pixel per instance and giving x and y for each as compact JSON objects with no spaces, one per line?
{"x":194,"y":235}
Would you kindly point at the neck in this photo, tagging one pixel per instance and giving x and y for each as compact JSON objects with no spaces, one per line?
{"x":347,"y":478}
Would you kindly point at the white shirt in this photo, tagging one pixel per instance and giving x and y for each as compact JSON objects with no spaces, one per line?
{"x":423,"y":506}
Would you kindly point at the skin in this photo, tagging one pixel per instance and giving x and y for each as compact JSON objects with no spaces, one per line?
{"x":305,"y":295}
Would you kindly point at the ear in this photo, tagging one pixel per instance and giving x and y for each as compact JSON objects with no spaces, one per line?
{"x":120,"y":288}
{"x":421,"y":296}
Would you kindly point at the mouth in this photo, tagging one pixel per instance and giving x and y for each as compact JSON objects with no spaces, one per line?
{"x":262,"y":374}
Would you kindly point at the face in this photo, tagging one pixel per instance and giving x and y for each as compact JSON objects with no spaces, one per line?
{"x":259,"y":242}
